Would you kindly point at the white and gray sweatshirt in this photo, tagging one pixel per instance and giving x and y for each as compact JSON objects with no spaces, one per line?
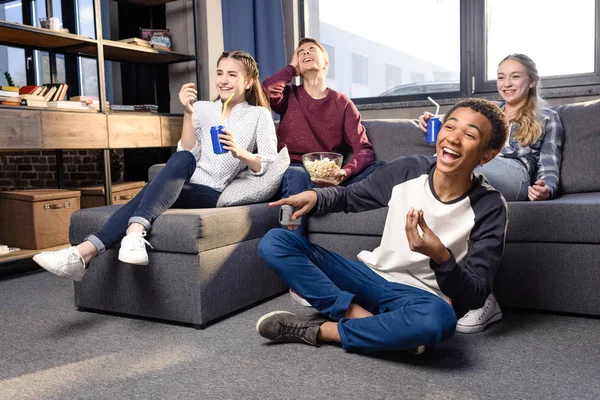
{"x":472,"y":227}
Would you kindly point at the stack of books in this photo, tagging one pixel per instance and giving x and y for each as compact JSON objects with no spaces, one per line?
{"x":9,"y":96}
{"x":91,"y":101}
{"x":159,"y":39}
{"x":137,"y":42}
{"x":44,"y":95}
{"x":153,"y":108}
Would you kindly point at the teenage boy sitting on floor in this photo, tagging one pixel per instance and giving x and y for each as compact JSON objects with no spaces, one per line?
{"x":443,"y":239}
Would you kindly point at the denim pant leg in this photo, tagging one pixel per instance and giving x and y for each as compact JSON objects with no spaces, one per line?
{"x":296,"y":180}
{"x":405,"y":317}
{"x":508,"y":176}
{"x":157,"y":196}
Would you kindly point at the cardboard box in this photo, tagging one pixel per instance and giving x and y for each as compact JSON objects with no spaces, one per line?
{"x":37,"y":218}
{"x":93,"y":196}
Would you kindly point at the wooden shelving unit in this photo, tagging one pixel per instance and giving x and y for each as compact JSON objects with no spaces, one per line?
{"x":43,"y":132}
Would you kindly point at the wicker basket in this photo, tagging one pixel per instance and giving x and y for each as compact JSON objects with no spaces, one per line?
{"x":37,"y":218}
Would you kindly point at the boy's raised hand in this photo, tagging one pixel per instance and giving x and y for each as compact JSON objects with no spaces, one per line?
{"x":429,"y":244}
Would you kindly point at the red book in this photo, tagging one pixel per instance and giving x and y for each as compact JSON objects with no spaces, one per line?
{"x":27,"y":89}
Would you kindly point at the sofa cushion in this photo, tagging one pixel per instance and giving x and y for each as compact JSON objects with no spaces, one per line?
{"x":570,"y":218}
{"x":580,"y":171}
{"x":364,"y":223}
{"x":249,"y":188}
{"x":188,"y":231}
{"x":392,"y":138}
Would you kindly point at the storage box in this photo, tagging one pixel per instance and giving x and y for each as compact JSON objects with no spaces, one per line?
{"x":93,"y":196}
{"x":37,"y":218}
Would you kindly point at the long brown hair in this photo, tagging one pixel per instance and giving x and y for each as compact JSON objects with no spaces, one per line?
{"x":254,"y":95}
{"x":528,"y":117}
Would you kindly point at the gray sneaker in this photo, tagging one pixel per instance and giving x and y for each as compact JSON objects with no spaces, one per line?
{"x":286,"y":327}
{"x":66,"y":263}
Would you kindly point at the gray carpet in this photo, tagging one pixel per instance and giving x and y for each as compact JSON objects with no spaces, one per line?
{"x":48,"y":350}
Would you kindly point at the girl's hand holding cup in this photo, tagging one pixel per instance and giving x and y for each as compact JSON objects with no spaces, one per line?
{"x":187,"y":97}
{"x":423,"y":121}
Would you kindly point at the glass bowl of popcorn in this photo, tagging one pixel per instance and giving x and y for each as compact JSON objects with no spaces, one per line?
{"x":322,"y":165}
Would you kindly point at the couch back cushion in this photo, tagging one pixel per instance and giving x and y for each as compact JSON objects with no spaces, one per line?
{"x":392,"y":138}
{"x":580,"y":169}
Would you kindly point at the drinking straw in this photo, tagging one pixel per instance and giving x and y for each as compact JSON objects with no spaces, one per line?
{"x":225,"y":108}
{"x":437,"y":110}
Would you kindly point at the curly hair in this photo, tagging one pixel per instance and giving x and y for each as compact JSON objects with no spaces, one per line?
{"x":493,"y":113}
{"x":530,"y":128}
{"x":254,"y":95}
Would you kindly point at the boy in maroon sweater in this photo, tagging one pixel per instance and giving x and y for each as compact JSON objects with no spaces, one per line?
{"x":316,"y":118}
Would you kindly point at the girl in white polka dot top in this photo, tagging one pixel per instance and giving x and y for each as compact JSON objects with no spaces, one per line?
{"x":195,"y":175}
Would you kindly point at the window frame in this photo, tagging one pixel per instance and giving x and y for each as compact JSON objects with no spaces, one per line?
{"x":472,"y":62}
{"x":550,"y":84}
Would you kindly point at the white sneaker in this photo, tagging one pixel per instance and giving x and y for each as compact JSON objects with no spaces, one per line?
{"x":296,"y":297}
{"x":477,"y":320}
{"x":133,"y":249}
{"x":66,"y":263}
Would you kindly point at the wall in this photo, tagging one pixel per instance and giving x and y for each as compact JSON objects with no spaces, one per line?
{"x":37,"y":169}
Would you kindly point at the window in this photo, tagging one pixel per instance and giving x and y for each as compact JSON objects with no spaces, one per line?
{"x":360,"y":69}
{"x":563,"y":59}
{"x":393,"y":75}
{"x":377,"y":44}
{"x":451,"y":48}
{"x":88,"y":68}
{"x":331,"y":54}
{"x":12,"y":60}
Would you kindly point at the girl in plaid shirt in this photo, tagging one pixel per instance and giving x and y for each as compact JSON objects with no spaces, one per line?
{"x":528,"y":167}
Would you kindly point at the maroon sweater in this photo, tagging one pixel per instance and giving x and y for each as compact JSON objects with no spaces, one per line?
{"x":309,"y":125}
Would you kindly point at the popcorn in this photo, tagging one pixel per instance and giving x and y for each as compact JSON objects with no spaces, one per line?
{"x":324,"y":168}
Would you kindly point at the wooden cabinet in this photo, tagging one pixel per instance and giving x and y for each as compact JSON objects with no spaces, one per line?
{"x":127,"y":131}
{"x":170,"y":130}
{"x":20,"y":129}
{"x":70,"y":130}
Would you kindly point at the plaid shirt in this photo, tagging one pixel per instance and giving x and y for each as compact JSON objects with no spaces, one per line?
{"x":542,"y":159}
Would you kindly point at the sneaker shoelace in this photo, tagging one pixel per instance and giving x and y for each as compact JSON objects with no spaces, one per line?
{"x":296,"y":330}
{"x":74,"y":258}
{"x":139,"y":242}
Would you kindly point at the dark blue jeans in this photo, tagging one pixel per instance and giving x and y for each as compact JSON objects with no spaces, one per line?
{"x":404,"y":317}
{"x":169,"y":188}
{"x":296,"y":180}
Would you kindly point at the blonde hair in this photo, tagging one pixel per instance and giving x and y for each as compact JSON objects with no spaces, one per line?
{"x":254,"y":95}
{"x":528,"y":117}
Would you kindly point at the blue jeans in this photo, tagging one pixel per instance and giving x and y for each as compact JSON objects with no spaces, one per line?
{"x":169,"y":188}
{"x":404,"y":317}
{"x":508,"y":176}
{"x":296,"y":180}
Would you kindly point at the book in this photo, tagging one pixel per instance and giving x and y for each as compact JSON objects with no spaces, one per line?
{"x":83,"y":98}
{"x":10,"y":99}
{"x":78,"y":105}
{"x":10,"y":88}
{"x":31,"y":97}
{"x":9,"y":93}
{"x":136,"y":41}
{"x":34,"y":103}
{"x":28,"y":89}
{"x":160,"y":37}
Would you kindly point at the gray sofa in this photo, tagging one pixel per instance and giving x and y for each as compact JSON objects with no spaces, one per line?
{"x":205,"y":264}
{"x":552,"y":256}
